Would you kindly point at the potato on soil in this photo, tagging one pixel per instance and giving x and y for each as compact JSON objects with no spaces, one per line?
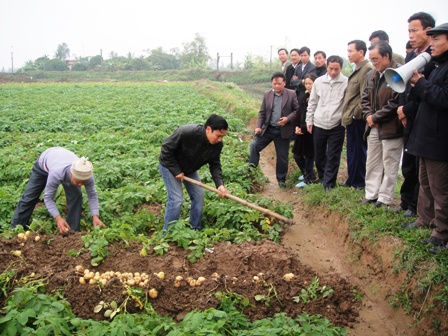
{"x":153,"y":293}
{"x":288,"y":276}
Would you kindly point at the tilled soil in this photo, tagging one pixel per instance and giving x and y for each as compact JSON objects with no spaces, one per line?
{"x":234,"y":265}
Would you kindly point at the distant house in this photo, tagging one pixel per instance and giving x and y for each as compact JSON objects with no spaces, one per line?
{"x":71,"y":63}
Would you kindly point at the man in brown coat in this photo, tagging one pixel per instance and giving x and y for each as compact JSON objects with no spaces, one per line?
{"x":384,"y":130}
{"x":275,"y":122}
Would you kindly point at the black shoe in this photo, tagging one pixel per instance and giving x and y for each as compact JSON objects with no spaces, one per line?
{"x":379,"y":204}
{"x":282,"y":184}
{"x":367,"y":201}
{"x":345,"y":185}
{"x":438,"y":249}
{"x":397,"y":209}
{"x":358,"y":188}
{"x":433,"y":241}
{"x":412,"y":225}
{"x":410,"y":213}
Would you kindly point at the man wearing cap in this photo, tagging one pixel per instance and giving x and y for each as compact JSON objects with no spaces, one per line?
{"x":429,"y":141}
{"x":59,"y":166}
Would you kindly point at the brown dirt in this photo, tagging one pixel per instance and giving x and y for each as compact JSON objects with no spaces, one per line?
{"x":236,"y":265}
{"x":321,"y":241}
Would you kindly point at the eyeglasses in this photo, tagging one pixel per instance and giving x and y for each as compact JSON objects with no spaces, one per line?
{"x":375,"y":59}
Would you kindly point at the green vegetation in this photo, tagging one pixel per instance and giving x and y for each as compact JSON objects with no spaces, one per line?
{"x":424,"y":287}
{"x":120,"y":127}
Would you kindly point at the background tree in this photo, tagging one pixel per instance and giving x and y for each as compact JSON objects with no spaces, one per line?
{"x":79,"y":67}
{"x":160,"y":60}
{"x":195,"y":53}
{"x":55,"y":65}
{"x":62,"y":52}
{"x":249,"y":62}
{"x":95,"y":61}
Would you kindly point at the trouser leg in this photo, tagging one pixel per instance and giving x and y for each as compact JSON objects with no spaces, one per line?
{"x":73,"y":195}
{"x":356,"y":154}
{"x":258,"y":144}
{"x":374,"y":165}
{"x":300,"y":161}
{"x":33,"y":190}
{"x":425,"y":207}
{"x":437,"y":172}
{"x":309,"y":169}
{"x":333,"y":154}
{"x":392,"y":150}
{"x":196,"y":194}
{"x":174,"y":194}
{"x":282,"y":151}
{"x":320,"y":149}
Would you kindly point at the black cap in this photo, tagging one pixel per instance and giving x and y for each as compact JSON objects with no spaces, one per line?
{"x":442,"y":29}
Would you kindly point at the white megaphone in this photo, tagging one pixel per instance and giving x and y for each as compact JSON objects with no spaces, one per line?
{"x":397,"y":78}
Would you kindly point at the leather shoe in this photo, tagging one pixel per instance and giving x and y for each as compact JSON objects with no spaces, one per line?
{"x":282,"y":184}
{"x":379,"y":204}
{"x":433,"y":241}
{"x":412,"y":225}
{"x":438,"y":249}
{"x":410,"y":213}
{"x":397,"y":209}
{"x":367,"y":201}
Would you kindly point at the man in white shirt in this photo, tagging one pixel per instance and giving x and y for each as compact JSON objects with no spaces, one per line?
{"x":323,"y":119}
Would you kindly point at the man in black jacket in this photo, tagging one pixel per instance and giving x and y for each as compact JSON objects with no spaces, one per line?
{"x":418,"y":24}
{"x":183,"y":153}
{"x":429,"y":141}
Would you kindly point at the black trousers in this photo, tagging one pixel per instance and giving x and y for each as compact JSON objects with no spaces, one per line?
{"x":356,"y":154}
{"x":411,"y":185}
{"x":281,"y":149}
{"x":327,"y":153}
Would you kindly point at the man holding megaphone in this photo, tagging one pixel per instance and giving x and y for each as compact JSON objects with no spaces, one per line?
{"x":429,"y":141}
{"x":418,"y":24}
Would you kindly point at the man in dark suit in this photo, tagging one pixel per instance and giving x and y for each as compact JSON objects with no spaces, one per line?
{"x":305,"y":67}
{"x":275,"y":122}
{"x":295,"y":61}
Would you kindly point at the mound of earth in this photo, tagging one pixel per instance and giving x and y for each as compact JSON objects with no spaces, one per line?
{"x":234,"y":265}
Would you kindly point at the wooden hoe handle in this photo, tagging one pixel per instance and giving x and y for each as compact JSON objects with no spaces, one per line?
{"x":239,"y":200}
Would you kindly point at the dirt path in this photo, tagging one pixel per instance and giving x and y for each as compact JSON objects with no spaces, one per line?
{"x":322,"y":242}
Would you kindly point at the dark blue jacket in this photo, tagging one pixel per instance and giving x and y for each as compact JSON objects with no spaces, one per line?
{"x":429,"y":134}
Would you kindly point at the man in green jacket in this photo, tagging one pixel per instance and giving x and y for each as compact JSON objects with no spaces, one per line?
{"x":352,"y":115}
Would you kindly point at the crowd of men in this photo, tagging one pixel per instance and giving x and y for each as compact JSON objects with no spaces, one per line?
{"x":383,"y":129}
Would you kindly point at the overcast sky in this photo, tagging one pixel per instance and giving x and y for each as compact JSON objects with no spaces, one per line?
{"x":32,"y":28}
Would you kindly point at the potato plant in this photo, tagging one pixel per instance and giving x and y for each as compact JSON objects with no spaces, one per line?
{"x":120,"y":127}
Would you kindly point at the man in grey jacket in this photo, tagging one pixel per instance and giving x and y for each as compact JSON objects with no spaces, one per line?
{"x":59,"y":166}
{"x":323,"y":119}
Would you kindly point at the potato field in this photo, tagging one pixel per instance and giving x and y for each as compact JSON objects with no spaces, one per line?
{"x":232,"y":278}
